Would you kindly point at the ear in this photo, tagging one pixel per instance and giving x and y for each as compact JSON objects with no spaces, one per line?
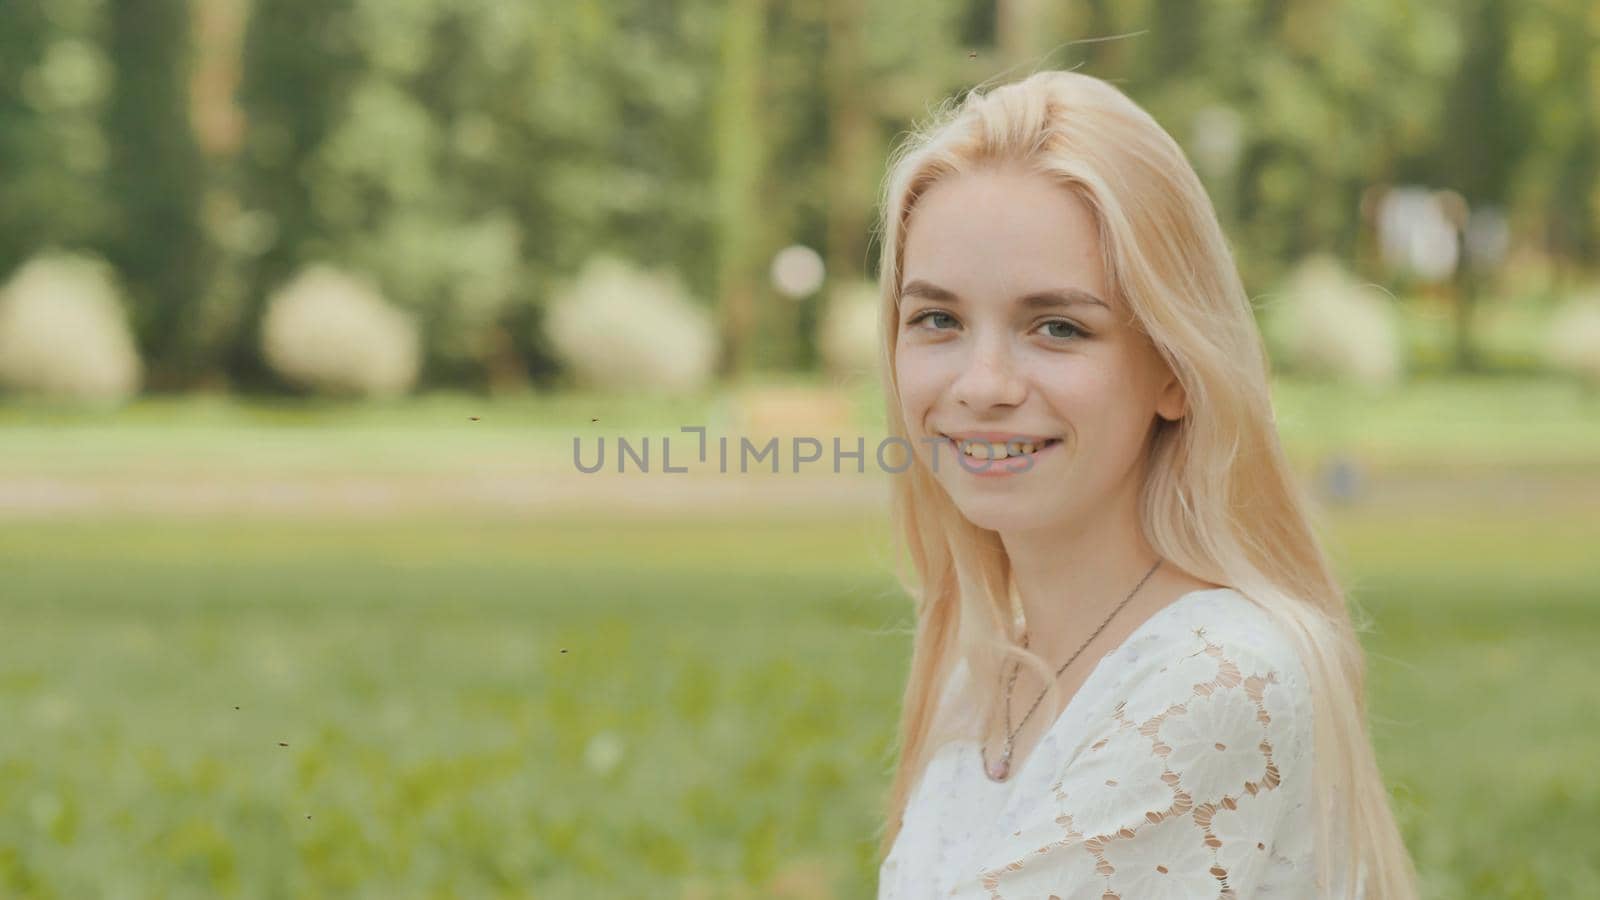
{"x":1172,"y":402}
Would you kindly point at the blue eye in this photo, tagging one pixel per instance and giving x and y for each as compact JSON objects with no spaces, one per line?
{"x":1076,"y":332}
{"x":928,"y":314}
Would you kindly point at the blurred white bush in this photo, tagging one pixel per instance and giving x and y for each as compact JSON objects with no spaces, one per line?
{"x":1326,"y":323}
{"x":63,"y":331}
{"x":616,"y":326}
{"x":334,"y":332}
{"x":1573,"y":342}
{"x":848,"y":333}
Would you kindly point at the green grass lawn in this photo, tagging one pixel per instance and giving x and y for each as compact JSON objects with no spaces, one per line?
{"x":460,"y":704}
{"x":585,"y":709}
{"x":1466,"y":424}
{"x":450,"y":694}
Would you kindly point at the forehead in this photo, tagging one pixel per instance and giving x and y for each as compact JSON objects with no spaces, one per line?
{"x":999,"y":233}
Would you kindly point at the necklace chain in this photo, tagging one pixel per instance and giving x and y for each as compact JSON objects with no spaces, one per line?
{"x":1005,"y":759}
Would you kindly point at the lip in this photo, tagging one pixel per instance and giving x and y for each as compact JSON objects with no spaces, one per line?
{"x":1003,"y":468}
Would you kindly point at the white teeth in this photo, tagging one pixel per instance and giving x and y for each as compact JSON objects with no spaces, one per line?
{"x":997,"y":450}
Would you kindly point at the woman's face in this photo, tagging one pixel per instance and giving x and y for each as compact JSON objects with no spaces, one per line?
{"x":1007,"y":332}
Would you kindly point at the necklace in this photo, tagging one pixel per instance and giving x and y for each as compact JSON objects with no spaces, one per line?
{"x":1000,"y":768}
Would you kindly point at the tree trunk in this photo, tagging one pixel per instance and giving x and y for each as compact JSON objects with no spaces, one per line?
{"x":739,"y":160}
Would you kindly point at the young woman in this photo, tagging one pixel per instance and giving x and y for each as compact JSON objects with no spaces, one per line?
{"x":1134,"y":674}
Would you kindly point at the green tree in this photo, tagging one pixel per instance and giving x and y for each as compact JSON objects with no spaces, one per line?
{"x":156,"y":239}
{"x":1480,"y":141}
{"x":53,"y":152}
{"x":299,"y":61}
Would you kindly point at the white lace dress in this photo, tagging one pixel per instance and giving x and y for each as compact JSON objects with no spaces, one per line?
{"x":1181,"y":769}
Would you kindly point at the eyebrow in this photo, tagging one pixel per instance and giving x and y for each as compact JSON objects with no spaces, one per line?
{"x":1036,"y":300}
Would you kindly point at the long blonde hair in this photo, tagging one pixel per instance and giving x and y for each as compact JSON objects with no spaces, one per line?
{"x":1219,"y":499}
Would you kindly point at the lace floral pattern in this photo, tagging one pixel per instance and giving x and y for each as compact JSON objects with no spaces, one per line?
{"x":1181,"y":769}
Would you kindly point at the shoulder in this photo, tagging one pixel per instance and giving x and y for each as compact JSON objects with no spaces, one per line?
{"x":1213,"y":695}
{"x":1205,"y":643}
{"x":1223,"y":617}
{"x":1215,"y":676}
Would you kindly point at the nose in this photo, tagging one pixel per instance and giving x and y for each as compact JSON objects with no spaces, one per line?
{"x":990,"y":378}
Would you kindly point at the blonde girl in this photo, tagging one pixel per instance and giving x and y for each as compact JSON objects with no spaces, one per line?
{"x":1134,"y":674}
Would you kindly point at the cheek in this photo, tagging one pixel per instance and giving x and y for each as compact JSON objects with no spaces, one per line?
{"x":1114,"y":418}
{"x":918,"y":380}
{"x":1094,"y":399}
{"x":1072,"y":381}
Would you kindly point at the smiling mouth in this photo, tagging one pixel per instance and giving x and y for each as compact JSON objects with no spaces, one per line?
{"x":998,"y":450}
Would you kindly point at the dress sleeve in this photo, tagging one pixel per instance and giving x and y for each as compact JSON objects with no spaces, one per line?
{"x":1189,"y":785}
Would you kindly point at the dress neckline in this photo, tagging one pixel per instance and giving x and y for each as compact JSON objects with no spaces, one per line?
{"x":1077,"y":699}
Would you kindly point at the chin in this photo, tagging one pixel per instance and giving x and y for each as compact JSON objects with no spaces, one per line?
{"x":1003,"y":513}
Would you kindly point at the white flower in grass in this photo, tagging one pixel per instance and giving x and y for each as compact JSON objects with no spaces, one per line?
{"x":603,"y":753}
{"x":1113,"y":784}
{"x":1168,"y":860}
{"x":1215,"y":745}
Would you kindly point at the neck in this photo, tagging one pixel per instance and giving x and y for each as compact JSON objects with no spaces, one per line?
{"x":1069,"y":578}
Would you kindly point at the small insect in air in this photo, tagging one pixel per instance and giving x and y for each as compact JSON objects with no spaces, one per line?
{"x":473,"y":418}
{"x":283,"y":744}
{"x":594,"y":420}
{"x":972,"y":54}
{"x":563,"y":649}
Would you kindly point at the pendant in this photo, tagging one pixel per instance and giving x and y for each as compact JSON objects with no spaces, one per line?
{"x":998,"y":769}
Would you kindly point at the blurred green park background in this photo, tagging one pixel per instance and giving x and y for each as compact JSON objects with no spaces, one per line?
{"x":303,"y":305}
